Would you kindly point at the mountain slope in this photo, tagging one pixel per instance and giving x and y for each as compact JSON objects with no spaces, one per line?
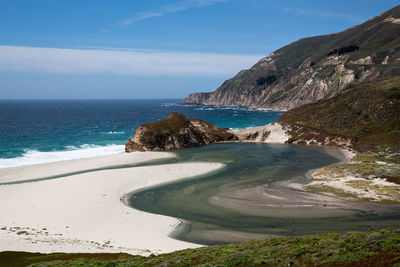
{"x":367,"y":116}
{"x":372,"y":248}
{"x":314,"y":68}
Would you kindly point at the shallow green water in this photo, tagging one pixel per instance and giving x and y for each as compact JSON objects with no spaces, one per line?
{"x":248,"y":166}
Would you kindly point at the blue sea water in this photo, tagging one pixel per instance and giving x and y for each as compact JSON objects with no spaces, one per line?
{"x":38,"y":131}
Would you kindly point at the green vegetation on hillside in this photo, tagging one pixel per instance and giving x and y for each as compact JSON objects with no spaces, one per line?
{"x":172,"y":124}
{"x":374,"y":248}
{"x":174,"y":132}
{"x":365,"y":117}
{"x":373,"y":37}
{"x":368,"y":114}
{"x":315,"y":68}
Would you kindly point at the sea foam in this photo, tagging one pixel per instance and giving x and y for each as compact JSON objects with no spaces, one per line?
{"x":31,"y":157}
{"x":115,"y":132}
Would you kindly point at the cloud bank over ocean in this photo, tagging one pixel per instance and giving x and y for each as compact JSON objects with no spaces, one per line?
{"x":120,"y":62}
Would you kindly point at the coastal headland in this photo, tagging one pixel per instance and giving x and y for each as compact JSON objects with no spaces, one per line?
{"x":80,"y":205}
{"x":341,"y":93}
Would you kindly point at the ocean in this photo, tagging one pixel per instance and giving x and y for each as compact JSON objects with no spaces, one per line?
{"x":39,"y":131}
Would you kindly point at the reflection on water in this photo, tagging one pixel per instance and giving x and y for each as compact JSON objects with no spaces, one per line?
{"x":250,"y":197}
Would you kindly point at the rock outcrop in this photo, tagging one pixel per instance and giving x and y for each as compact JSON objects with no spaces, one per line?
{"x":314,"y":68}
{"x":363,"y":117}
{"x":176,"y":132}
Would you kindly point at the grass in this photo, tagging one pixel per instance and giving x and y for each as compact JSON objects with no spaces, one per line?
{"x":330,"y":249}
{"x":366,"y":167}
{"x":370,"y":125}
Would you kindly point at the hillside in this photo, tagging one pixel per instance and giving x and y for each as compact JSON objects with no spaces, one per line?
{"x":374,"y":248}
{"x":367,"y":115}
{"x":314,"y":68}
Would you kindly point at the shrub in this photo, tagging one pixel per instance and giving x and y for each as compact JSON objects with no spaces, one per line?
{"x":266,"y":80}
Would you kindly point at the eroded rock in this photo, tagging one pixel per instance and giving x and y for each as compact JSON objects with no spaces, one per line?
{"x":176,"y":132}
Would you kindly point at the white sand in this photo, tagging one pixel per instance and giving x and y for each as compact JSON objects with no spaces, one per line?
{"x":60,"y":167}
{"x":270,"y":133}
{"x":277,"y":135}
{"x":348,"y":153}
{"x":84,"y":212}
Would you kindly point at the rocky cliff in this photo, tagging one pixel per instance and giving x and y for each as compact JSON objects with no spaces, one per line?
{"x":365,"y":117}
{"x":176,"y":132}
{"x":314,"y":68}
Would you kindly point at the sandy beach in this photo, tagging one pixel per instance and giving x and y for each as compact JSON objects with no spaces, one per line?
{"x":85,"y":212}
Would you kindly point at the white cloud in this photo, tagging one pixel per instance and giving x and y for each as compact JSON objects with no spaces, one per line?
{"x":120,"y":62}
{"x":141,"y":16}
{"x":166,"y":9}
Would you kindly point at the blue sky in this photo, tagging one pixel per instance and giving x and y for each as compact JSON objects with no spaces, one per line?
{"x":152,"y":48}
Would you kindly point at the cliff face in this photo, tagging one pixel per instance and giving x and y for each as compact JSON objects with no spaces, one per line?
{"x":176,"y":132}
{"x":314,"y":68}
{"x":365,"y":117}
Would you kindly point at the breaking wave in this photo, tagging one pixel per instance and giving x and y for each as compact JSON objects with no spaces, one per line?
{"x":31,"y":157}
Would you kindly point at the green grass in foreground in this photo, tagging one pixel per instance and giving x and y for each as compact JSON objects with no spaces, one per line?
{"x":373,"y":248}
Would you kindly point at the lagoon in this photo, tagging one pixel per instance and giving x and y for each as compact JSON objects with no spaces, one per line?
{"x":256,"y":195}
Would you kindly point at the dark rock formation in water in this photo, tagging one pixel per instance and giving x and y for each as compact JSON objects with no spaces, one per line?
{"x":314,"y":68}
{"x":176,"y":132}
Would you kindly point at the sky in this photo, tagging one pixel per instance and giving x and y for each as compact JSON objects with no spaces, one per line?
{"x":125,"y":49}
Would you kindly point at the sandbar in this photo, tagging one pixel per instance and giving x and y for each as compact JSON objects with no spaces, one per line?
{"x":85,"y":212}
